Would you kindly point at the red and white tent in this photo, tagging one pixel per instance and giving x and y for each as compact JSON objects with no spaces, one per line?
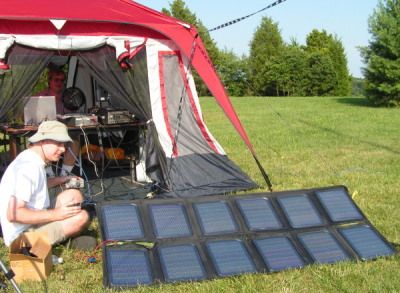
{"x":182,"y":154}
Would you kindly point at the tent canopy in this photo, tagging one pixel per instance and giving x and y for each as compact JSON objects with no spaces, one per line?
{"x":89,"y":29}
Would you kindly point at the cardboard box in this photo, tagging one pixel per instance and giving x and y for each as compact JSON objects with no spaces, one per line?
{"x":25,"y":267}
{"x":114,"y":153}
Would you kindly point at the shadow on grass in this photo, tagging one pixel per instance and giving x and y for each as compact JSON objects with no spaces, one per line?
{"x":356,"y":101}
{"x":346,"y":136}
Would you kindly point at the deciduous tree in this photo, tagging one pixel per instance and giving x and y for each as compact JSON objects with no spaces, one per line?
{"x":232,"y":71}
{"x":179,"y":10}
{"x":331,"y":47}
{"x":288,"y":72}
{"x":321,"y":78}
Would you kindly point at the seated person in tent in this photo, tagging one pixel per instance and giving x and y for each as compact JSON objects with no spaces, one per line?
{"x":25,"y":204}
{"x":56,"y":78}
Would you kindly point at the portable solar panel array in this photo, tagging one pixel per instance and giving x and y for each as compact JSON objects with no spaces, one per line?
{"x":213,"y":237}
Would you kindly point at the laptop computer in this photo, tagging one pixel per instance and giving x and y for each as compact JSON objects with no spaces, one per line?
{"x":39,"y":109}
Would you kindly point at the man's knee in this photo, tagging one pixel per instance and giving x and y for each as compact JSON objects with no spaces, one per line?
{"x":81,"y":220}
{"x":72,"y":194}
{"x":75,"y":225}
{"x":84,"y":217}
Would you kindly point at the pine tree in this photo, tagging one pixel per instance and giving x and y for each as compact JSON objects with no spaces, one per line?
{"x":267,"y":42}
{"x":382,"y":55}
{"x":339,"y":62}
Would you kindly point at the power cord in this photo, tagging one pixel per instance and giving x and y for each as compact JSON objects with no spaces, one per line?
{"x":84,"y":174}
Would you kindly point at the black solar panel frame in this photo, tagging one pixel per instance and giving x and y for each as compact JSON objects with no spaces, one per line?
{"x":244,"y":233}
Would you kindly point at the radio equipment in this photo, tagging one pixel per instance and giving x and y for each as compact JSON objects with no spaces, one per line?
{"x":78,"y":119}
{"x":112,"y":116}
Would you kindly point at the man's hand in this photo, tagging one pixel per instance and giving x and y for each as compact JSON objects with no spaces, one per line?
{"x":17,"y":212}
{"x":68,"y":210}
{"x":55,"y":181}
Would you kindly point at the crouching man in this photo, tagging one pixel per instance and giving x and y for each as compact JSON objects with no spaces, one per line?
{"x":25,"y":205}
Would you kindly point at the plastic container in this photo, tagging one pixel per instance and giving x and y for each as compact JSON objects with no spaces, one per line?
{"x":57,"y":260}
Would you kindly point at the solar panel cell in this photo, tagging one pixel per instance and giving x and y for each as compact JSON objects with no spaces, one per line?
{"x":278,"y":253}
{"x":338,"y":205}
{"x":323,"y":247}
{"x":122,"y":222}
{"x":258,"y":214}
{"x":128,"y":267}
{"x":169,"y":220}
{"x":181,"y":263}
{"x":366,"y":242}
{"x":300,"y":211}
{"x":215,"y":217}
{"x":230,"y":257}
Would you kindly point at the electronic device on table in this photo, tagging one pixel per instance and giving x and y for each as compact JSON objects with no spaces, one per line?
{"x":38,"y":109}
{"x":79,"y":119}
{"x":108,"y":110}
{"x":114,"y":116}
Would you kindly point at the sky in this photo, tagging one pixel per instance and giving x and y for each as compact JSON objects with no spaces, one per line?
{"x":347,"y":19}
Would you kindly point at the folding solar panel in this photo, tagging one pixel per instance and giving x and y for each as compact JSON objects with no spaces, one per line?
{"x":338,"y":205}
{"x":323,"y":247}
{"x":258,"y":214}
{"x":278,"y":253}
{"x":128,"y":267}
{"x":122,"y":222}
{"x":230,"y":257}
{"x":300,"y":211}
{"x":218,"y":236}
{"x":169,"y":220}
{"x":215,"y":217}
{"x":181,"y":263}
{"x":366,"y":242}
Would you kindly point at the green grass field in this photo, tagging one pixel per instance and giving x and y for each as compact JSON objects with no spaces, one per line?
{"x":302,"y":143}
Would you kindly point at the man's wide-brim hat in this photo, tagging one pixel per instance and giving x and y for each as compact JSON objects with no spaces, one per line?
{"x":52,"y":130}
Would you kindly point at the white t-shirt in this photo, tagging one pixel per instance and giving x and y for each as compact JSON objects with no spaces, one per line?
{"x":25,"y":178}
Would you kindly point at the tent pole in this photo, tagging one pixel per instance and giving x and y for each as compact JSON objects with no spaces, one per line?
{"x":266,"y":178}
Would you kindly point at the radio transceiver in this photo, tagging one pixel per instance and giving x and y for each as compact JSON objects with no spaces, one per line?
{"x":107,"y":116}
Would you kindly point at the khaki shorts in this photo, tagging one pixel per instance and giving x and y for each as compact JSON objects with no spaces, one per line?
{"x":54,"y":229}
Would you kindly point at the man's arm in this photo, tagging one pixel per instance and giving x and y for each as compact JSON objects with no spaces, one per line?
{"x":18,"y":212}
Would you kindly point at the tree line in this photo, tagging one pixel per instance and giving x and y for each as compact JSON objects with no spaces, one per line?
{"x":274,"y":67}
{"x":318,"y":68}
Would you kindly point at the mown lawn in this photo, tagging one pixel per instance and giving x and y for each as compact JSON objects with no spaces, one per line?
{"x":301,"y":143}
